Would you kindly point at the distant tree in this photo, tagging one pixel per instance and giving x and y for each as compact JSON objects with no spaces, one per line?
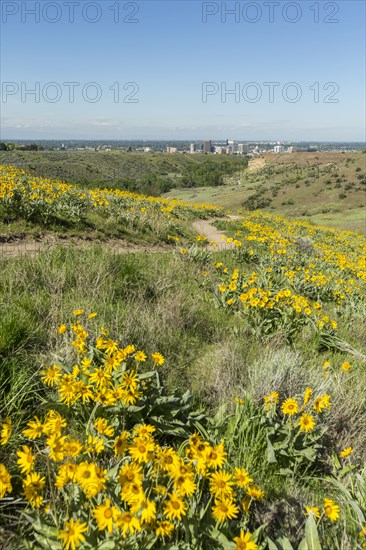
{"x":3,"y":146}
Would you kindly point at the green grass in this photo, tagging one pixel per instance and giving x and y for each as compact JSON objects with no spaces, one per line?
{"x":326,"y":188}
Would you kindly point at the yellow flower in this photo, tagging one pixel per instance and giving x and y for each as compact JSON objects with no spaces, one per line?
{"x":51,"y":376}
{"x":32,"y":486}
{"x":164,"y":529}
{"x":142,"y":449}
{"x":224,"y":509}
{"x":53,"y":423}
{"x":255,"y":492}
{"x":26,"y":460}
{"x":65,"y":473}
{"x":102,"y":426}
{"x":243,"y":542}
{"x":175,"y":507}
{"x":78,"y":312}
{"x":182,"y":251}
{"x":5,"y":431}
{"x":345,"y":366}
{"x":307,"y":423}
{"x":326,"y":364}
{"x":146,"y":509}
{"x":346,"y":452}
{"x":34,"y":430}
{"x":290,"y":406}
{"x":144,"y":430}
{"x":92,"y":315}
{"x":221,"y":484}
{"x":62,"y":329}
{"x":271,"y":399}
{"x":158,"y":359}
{"x":5,"y":481}
{"x":95,"y":445}
{"x":105,"y":515}
{"x":121,"y":444}
{"x":215,"y":456}
{"x":331,"y":509}
{"x":242,"y":478}
{"x":307,"y":395}
{"x":72,"y":534}
{"x":140,"y":356}
{"x":312,"y":510}
{"x":130,"y":473}
{"x":128,"y":523}
{"x":322,"y":402}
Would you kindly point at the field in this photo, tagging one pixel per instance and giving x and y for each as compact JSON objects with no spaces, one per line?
{"x":326,"y":188}
{"x":194,"y":395}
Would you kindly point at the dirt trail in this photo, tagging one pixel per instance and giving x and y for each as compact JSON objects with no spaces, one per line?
{"x":26,"y":247}
{"x":205,"y":227}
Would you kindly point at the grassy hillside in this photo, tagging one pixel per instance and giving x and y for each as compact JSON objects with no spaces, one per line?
{"x":37,"y":206}
{"x":184,"y":399}
{"x":142,"y":172}
{"x":327,"y":188}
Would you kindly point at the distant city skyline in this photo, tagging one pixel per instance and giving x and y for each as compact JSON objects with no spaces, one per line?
{"x":169,"y":70}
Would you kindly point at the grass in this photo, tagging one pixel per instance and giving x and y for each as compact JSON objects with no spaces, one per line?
{"x":326,"y":188}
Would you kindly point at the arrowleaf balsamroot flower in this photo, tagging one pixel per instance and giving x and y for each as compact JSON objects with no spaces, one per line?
{"x":306,"y":423}
{"x":105,"y":515}
{"x":5,"y":481}
{"x":243,"y":542}
{"x":346,"y":452}
{"x":224,"y":509}
{"x":72,"y":534}
{"x":26,"y":460}
{"x":313,"y":510}
{"x":175,"y":507}
{"x":331,"y":509}
{"x":5,"y":431}
{"x":290,"y":406}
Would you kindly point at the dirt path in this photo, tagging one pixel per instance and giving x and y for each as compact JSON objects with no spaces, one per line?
{"x":205,"y":227}
{"x":26,"y":247}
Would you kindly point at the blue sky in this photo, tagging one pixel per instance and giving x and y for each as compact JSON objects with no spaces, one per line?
{"x":174,"y":64}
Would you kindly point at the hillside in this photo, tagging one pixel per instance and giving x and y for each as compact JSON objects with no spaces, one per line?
{"x":150,"y":173}
{"x":326,"y":188}
{"x":201,"y":391}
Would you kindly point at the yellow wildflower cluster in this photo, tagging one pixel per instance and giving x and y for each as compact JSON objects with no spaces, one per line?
{"x":26,"y":196}
{"x":118,"y":475}
{"x":300,"y":410}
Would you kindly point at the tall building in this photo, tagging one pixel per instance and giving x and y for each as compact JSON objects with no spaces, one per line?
{"x":207,"y":146}
{"x":171,"y":149}
{"x":220,"y":150}
{"x":278,"y":149}
{"x":233,"y":145}
{"x":242,"y":148}
{"x":192,"y":148}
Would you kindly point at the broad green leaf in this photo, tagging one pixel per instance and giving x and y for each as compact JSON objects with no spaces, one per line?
{"x":311,"y":534}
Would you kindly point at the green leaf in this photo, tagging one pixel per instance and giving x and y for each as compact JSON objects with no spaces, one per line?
{"x":311,"y":534}
{"x":271,"y":455}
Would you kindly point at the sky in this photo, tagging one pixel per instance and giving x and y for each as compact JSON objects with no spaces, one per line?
{"x":249,"y":70}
